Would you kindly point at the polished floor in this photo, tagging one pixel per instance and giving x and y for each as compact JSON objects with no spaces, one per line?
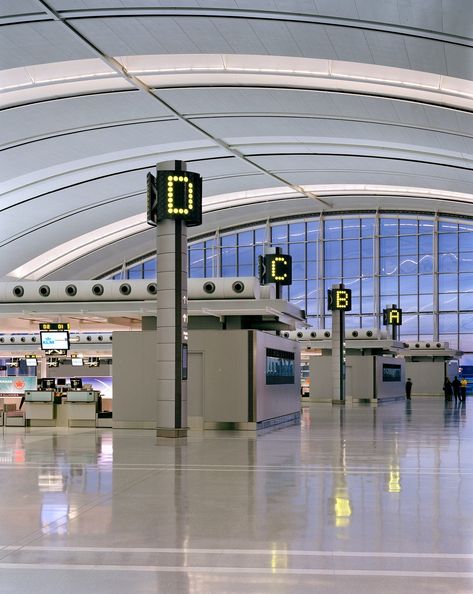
{"x":361,"y":499}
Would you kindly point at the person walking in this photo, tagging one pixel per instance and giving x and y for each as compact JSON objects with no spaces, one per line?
{"x":463,"y":385}
{"x":456,"y":388}
{"x":447,"y":388}
{"x":408,"y":388}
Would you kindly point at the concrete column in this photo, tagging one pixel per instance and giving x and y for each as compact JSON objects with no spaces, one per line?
{"x":171,"y":328}
{"x":338,"y":356}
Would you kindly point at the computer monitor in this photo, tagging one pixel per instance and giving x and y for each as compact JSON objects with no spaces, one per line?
{"x":49,"y":383}
{"x":76,"y":383}
{"x":54,"y":340}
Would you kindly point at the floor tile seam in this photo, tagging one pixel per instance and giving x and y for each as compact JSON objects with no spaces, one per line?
{"x":86,"y":507}
{"x":240,"y":552}
{"x":239,"y":570}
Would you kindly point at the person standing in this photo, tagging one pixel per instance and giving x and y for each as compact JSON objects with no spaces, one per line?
{"x":456,"y":388}
{"x":408,"y":388}
{"x":463,"y":385}
{"x":447,"y":388}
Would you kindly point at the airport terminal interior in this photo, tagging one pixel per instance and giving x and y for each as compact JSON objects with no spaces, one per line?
{"x":236,"y":296}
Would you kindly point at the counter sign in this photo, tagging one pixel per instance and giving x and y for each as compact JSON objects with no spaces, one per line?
{"x":392,"y":316}
{"x":174,"y":195}
{"x":278,"y":269}
{"x":339,"y":299}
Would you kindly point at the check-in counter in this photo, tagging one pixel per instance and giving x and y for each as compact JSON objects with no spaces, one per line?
{"x":39,"y":408}
{"x":81,"y":408}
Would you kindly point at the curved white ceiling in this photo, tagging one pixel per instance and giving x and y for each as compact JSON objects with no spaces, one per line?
{"x":305,"y":106}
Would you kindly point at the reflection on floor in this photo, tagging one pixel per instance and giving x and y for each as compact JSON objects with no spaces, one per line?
{"x":359,"y":499}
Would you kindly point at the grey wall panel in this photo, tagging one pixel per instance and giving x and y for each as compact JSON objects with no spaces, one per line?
{"x":134,"y":379}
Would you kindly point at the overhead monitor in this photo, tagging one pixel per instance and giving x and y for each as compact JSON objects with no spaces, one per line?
{"x":77,"y":361}
{"x":53,"y":362}
{"x":54,"y":340}
{"x":76,"y":383}
{"x":93,"y":362}
{"x":61,"y":381}
{"x":31,"y":362}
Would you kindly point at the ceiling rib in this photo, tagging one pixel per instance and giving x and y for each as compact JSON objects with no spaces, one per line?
{"x":138,"y":83}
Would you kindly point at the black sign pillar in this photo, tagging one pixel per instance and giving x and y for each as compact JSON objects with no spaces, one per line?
{"x":339,"y":301}
{"x":174,"y":202}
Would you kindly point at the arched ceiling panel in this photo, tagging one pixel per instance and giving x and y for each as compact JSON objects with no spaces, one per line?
{"x":284,"y":107}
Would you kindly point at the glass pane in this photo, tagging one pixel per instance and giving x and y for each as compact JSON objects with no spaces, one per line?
{"x":426,"y":284}
{"x":448,"y":323}
{"x":448,"y":283}
{"x":260,"y":235}
{"x":388,"y":246}
{"x":408,"y":285}
{"x":333,"y":229}
{"x":367,"y":248}
{"x":408,"y":264}
{"x":351,"y":228}
{"x":466,"y":262}
{"x":409,"y":325}
{"x":426,"y":227}
{"x":466,"y":242}
{"x":228,"y":239}
{"x":351,"y":248}
{"x":448,"y":263}
{"x":448,"y":243}
{"x":466,"y":301}
{"x":245,"y":255}
{"x":298,"y":270}
{"x":426,"y":326}
{"x":466,"y":323}
{"x":297,"y":251}
{"x":332,"y":250}
{"x":312,"y":305}
{"x":333,"y":268}
{"x":312,"y":288}
{"x":353,"y":284}
{"x":448,"y":302}
{"x":229,"y":270}
{"x":311,"y":269}
{"x":388,"y":285}
{"x":466,"y":282}
{"x":367,"y":227}
{"x":408,"y":244}
{"x":229,"y":257}
{"x":352,"y":321}
{"x":297,"y":291}
{"x":367,"y":305}
{"x":426,"y":302}
{"x":368,"y":322}
{"x":425,"y":244}
{"x":448,"y":227}
{"x":312,"y":230}
{"x":388,"y":227}
{"x":367,"y":287}
{"x":388,"y":266}
{"x":297,"y":232}
{"x":452,"y":340}
{"x":245,"y":270}
{"x":279,"y":234}
{"x":351,"y":268}
{"x":407,"y":226}
{"x":426,"y":264}
{"x":367,"y":267}
{"x":408,"y":303}
{"x":136,"y":271}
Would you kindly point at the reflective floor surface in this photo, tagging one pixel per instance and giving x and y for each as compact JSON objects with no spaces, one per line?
{"x":361,"y":499}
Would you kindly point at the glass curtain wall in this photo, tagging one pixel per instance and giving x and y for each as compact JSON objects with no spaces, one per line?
{"x":421,"y":264}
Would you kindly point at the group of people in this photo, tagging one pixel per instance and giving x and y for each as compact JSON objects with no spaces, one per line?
{"x":456,"y":388}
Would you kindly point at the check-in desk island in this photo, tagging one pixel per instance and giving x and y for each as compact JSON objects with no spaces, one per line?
{"x":45,"y":408}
